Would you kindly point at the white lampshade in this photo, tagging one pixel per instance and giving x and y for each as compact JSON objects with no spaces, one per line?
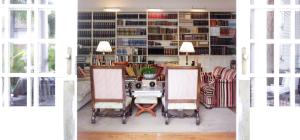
{"x":187,"y":47}
{"x":104,"y":46}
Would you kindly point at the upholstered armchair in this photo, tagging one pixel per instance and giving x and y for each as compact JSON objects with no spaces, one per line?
{"x":207,"y":86}
{"x":108,"y":91}
{"x":181,"y":86}
{"x":225,"y":88}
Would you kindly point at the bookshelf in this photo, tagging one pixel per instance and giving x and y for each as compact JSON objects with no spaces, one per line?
{"x":222,"y":33}
{"x":163,"y":33}
{"x":132,"y":37}
{"x":194,"y":27}
{"x":138,"y":37}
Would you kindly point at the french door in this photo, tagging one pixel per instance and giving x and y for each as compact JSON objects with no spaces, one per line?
{"x":37,"y":63}
{"x":268,"y":55}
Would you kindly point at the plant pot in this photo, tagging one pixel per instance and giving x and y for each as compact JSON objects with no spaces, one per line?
{"x":149,"y":76}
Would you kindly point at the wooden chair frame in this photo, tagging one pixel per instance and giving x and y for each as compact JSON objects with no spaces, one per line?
{"x":125,"y":111}
{"x":165,"y":110}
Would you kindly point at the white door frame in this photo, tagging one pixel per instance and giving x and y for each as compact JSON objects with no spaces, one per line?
{"x":266,"y":122}
{"x":34,"y":121}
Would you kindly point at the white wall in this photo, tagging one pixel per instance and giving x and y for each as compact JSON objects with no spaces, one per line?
{"x":208,"y":62}
{"x":128,"y":5}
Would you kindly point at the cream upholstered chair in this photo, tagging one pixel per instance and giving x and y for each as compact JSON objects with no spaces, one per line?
{"x":181,"y":90}
{"x":108,"y":91}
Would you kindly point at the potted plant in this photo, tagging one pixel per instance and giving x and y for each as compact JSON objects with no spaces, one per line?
{"x":148,"y":72}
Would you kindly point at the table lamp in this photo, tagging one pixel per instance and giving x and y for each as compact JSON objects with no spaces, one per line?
{"x":187,"y":47}
{"x":103,"y":47}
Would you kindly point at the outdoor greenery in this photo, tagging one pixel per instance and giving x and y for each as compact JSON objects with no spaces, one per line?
{"x":148,"y":70}
{"x":51,"y":22}
{"x":17,"y":60}
{"x":51,"y":59}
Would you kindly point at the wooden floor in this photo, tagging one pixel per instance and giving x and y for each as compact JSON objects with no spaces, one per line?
{"x":155,"y":136}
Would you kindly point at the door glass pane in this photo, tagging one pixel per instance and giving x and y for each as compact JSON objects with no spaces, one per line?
{"x":42,"y":1}
{"x":1,"y":58}
{"x":284,"y":91}
{"x":297,"y":24}
{"x":46,"y":91}
{"x":51,"y":24}
{"x":252,"y":58}
{"x":297,"y":1}
{"x":297,"y":91}
{"x":270,"y":91}
{"x":270,"y":58}
{"x":51,"y":2}
{"x":46,"y":58}
{"x":297,"y":59}
{"x":262,"y":1}
{"x":284,"y":58}
{"x":252,"y":21}
{"x":18,"y":1}
{"x":18,"y":58}
{"x":285,"y":25}
{"x":270,"y":24}
{"x":285,"y":1}
{"x":32,"y":23}
{"x":18,"y":24}
{"x":42,"y":24}
{"x":18,"y":91}
{"x":270,"y":2}
{"x":2,"y":27}
{"x":252,"y":91}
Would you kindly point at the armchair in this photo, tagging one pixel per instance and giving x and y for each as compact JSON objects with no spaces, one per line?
{"x":225,"y":88}
{"x":181,"y":88}
{"x":207,"y":86}
{"x":108,"y":91}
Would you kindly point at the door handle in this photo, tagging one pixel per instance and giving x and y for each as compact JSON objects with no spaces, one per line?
{"x":244,"y":60}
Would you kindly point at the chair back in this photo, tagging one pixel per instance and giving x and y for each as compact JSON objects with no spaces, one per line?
{"x":182,"y":84}
{"x":107,"y":83}
{"x":217,"y":71}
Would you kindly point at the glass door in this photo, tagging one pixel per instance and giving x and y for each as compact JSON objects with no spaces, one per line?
{"x":268,"y":57}
{"x":37,"y":51}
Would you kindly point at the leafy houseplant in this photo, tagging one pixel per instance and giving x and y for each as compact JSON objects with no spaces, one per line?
{"x":148,"y":72}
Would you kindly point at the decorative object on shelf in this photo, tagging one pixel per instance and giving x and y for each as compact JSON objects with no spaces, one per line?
{"x":103,"y":47}
{"x":187,"y":47}
{"x":148,"y":72}
{"x":152,"y":84}
{"x":138,"y":85}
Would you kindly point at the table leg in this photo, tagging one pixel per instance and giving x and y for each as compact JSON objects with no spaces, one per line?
{"x":149,"y":109}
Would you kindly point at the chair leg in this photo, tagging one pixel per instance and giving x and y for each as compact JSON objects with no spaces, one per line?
{"x":167,"y":117}
{"x":124,"y":117}
{"x":93,"y":118}
{"x":162,"y":110}
{"x":197,"y":115}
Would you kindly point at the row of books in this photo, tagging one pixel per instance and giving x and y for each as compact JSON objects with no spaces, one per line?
{"x":85,"y":16}
{"x":222,"y":15}
{"x":104,"y":34}
{"x":200,"y":23}
{"x":131,"y":16}
{"x":198,"y":51}
{"x":221,"y":41}
{"x":183,"y":30}
{"x":194,"y":37}
{"x":188,"y":16}
{"x":162,"y":37}
{"x":84,"y":25}
{"x":132,"y":31}
{"x":158,"y":43}
{"x":104,"y":25}
{"x":131,"y":23}
{"x":159,"y":30}
{"x":104,"y":16}
{"x":158,"y":15}
{"x":163,"y":23}
{"x":222,"y":50}
{"x":132,"y":42}
{"x":85,"y":42}
{"x":84,"y":34}
{"x":162,"y":51}
{"x":111,"y":41}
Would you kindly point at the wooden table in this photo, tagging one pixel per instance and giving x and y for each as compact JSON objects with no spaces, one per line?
{"x":146,"y":98}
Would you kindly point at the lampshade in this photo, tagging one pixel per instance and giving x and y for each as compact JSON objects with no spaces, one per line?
{"x":104,"y":46}
{"x":187,"y":47}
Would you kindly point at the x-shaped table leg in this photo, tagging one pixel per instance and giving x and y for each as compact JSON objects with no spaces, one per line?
{"x":145,"y":108}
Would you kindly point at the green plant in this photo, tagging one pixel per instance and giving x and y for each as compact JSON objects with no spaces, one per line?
{"x":148,"y":70}
{"x":51,"y":59}
{"x":18,"y":60}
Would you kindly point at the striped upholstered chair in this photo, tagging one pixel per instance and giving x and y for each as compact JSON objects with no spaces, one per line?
{"x":207,"y":86}
{"x":225,"y":88}
{"x":108,"y":91}
{"x":181,"y":92}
